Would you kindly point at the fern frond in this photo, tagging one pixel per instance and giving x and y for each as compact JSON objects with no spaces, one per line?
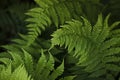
{"x":115,"y":33}
{"x":28,"y":61}
{"x":17,"y":59}
{"x":90,"y":44}
{"x":24,"y":67}
{"x":111,"y":51}
{"x":40,"y":21}
{"x":20,"y":74}
{"x":74,"y":29}
{"x":48,"y":68}
{"x":57,"y":72}
{"x":5,"y":73}
{"x":5,"y":61}
{"x":114,"y":25}
{"x":40,"y":66}
{"x":44,"y":68}
{"x":52,"y":12}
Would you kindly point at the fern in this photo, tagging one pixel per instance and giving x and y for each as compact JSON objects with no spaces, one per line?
{"x":93,"y":48}
{"x":5,"y":73}
{"x":19,"y":73}
{"x":25,"y":65}
{"x":12,"y":19}
{"x":51,"y":13}
{"x":91,"y":45}
{"x":28,"y":61}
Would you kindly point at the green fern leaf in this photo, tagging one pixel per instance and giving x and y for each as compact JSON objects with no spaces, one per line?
{"x":5,"y":61}
{"x":28,"y":61}
{"x":57,"y":72}
{"x":40,"y":66}
{"x":5,"y":73}
{"x":114,"y":25}
{"x":48,"y":68}
{"x":20,"y":74}
{"x":90,"y":44}
{"x":17,"y":59}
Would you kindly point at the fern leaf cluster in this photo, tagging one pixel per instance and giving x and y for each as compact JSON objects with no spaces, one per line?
{"x":92,"y":46}
{"x":22,"y":67}
{"x":52,"y":13}
{"x":19,"y":73}
{"x":66,"y":40}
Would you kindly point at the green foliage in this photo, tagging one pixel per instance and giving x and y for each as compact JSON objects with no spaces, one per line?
{"x":52,"y":13}
{"x":92,"y":46}
{"x":19,"y":67}
{"x":19,"y":73}
{"x":66,"y":40}
{"x":12,"y":19}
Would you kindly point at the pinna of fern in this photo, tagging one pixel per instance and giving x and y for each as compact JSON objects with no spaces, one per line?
{"x":33,"y":49}
{"x":23,"y":67}
{"x":93,"y":46}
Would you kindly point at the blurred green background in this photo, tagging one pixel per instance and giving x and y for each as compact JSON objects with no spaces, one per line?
{"x":12,"y":18}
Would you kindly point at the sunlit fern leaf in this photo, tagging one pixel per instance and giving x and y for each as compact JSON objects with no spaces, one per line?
{"x":105,"y":30}
{"x":45,"y":67}
{"x":1,"y":67}
{"x":54,"y":16}
{"x":5,"y":61}
{"x":49,"y":67}
{"x":28,"y":61}
{"x":40,"y":66}
{"x":39,"y":22}
{"x":5,"y":73}
{"x":65,"y":32}
{"x":52,"y":12}
{"x":73,"y":29}
{"x":24,"y":66}
{"x":20,"y":73}
{"x":17,"y":59}
{"x":91,"y":44}
{"x":97,"y":27}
